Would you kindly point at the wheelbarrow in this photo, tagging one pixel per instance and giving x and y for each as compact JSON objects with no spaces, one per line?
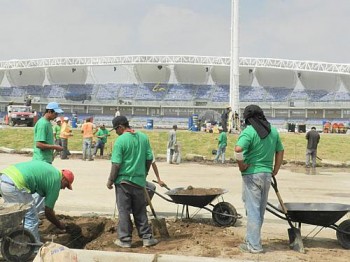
{"x":325,"y":215}
{"x":223,"y":213}
{"x":17,"y":243}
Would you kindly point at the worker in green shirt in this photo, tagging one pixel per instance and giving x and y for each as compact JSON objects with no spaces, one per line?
{"x":222,"y":143}
{"x":19,"y":181}
{"x":131,"y":160}
{"x":101,"y":134}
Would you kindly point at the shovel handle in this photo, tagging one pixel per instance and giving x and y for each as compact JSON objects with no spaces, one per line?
{"x":274,"y":185}
{"x":150,"y":203}
{"x":154,"y":181}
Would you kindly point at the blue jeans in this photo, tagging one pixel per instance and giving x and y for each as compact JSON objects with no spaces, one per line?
{"x":87,"y":148}
{"x":99,"y":145}
{"x":221,"y":151}
{"x":12,"y":194}
{"x":311,"y":153}
{"x":255,"y":193}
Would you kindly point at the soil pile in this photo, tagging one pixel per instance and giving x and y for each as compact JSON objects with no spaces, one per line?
{"x":192,"y":237}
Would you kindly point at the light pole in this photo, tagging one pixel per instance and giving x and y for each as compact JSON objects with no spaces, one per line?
{"x":234,"y":64}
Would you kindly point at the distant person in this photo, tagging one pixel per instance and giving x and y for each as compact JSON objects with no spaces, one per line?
{"x":44,"y":145}
{"x":65,"y":134}
{"x":101,"y":135}
{"x":43,"y":134}
{"x":88,"y":133}
{"x":117,"y":112}
{"x":237,"y":122}
{"x":57,"y":130}
{"x":258,"y":147}
{"x":131,"y":160}
{"x":224,"y":118}
{"x":313,"y":138}
{"x":19,"y":181}
{"x":28,"y":101}
{"x":172,"y":143}
{"x":222,"y":143}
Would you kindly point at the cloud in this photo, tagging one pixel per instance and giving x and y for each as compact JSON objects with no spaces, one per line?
{"x":307,"y":30}
{"x":172,"y":30}
{"x":298,"y":29}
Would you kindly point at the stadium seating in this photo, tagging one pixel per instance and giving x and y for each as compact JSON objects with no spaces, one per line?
{"x":151,"y":92}
{"x":107,"y":92}
{"x":298,"y":95}
{"x":127,"y":91}
{"x":203,"y":92}
{"x":278,"y":94}
{"x":316,"y":95}
{"x":221,"y":93}
{"x":178,"y":93}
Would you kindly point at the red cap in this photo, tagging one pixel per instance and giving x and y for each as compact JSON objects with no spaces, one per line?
{"x":69,"y":176}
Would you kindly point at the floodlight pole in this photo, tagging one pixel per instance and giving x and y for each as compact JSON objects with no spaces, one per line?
{"x":234,"y":65}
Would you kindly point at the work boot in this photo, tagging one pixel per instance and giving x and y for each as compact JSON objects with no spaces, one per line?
{"x":123,"y":244}
{"x":150,"y":242}
{"x":246,"y":249}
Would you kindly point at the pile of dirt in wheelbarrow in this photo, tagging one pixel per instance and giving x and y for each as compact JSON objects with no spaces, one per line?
{"x":198,"y":191}
{"x":194,"y":237}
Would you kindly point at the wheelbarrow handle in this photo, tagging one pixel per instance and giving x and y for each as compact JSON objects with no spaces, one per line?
{"x":154,"y":181}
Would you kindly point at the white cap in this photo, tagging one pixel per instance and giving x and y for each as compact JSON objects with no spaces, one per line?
{"x":58,"y":119}
{"x":66,"y":118}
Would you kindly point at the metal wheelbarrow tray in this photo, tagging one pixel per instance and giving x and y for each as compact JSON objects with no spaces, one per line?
{"x":318,"y":214}
{"x":17,"y":243}
{"x":223,"y":213}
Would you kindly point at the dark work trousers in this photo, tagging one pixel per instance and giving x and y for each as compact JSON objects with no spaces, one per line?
{"x":131,"y":200}
{"x":99,"y":145}
{"x":64,"y":152}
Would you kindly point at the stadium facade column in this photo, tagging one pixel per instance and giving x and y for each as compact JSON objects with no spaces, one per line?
{"x":234,"y":64}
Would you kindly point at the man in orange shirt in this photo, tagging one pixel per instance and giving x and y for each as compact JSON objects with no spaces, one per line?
{"x":87,"y":129}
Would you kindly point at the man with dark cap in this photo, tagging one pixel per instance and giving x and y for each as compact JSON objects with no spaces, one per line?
{"x":131,"y":160}
{"x":257,"y":147}
{"x":313,"y":138}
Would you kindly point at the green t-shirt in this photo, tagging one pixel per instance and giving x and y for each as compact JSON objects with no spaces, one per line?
{"x":130,"y":151}
{"x":36,"y":177}
{"x":222,"y":139}
{"x":102,"y":132}
{"x":43,"y":133}
{"x":259,"y":153}
{"x":56,"y":130}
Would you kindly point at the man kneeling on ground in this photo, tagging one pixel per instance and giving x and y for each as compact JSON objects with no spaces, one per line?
{"x":19,"y":181}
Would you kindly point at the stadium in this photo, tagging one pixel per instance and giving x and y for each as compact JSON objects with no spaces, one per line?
{"x":171,"y":89}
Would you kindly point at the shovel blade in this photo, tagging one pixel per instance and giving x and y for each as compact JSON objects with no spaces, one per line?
{"x":295,"y":240}
{"x":159,"y":227}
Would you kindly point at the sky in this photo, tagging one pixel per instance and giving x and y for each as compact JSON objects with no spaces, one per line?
{"x":315,"y":30}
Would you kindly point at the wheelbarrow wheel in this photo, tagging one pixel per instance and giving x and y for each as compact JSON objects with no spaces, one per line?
{"x":344,"y":239}
{"x":14,"y":248}
{"x":224,"y":214}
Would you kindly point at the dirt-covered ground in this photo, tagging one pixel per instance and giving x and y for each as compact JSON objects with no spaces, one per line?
{"x":195,"y":237}
{"x":90,"y":202}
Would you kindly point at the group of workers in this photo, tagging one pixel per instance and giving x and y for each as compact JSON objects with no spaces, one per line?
{"x":258,"y":151}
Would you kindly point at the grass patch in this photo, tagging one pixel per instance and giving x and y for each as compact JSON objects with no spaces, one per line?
{"x":331,"y":147}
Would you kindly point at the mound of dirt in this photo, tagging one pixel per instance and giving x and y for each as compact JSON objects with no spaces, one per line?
{"x":191,"y":237}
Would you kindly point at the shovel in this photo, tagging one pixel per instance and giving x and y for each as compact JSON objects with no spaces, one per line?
{"x":158,"y":225}
{"x":295,"y":240}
